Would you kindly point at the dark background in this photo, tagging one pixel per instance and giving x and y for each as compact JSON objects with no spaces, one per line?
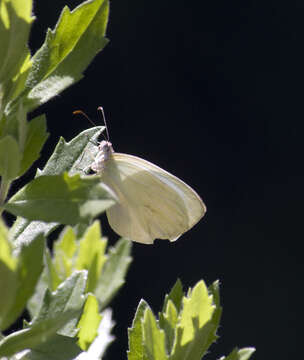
{"x":212,"y":92}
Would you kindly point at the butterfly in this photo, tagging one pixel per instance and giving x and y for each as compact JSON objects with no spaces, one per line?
{"x":152,"y":203}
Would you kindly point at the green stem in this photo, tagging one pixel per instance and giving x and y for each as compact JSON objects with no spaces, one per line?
{"x":4,"y":188}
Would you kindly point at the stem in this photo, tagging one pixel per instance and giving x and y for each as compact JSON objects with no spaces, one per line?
{"x":4,"y":188}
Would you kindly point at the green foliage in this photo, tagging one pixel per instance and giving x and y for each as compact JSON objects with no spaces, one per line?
{"x":15,"y":24}
{"x":242,"y":354}
{"x":19,"y":275}
{"x":66,"y":52}
{"x":72,"y":157}
{"x":58,"y":315}
{"x":27,"y":82}
{"x":114,"y":272}
{"x":9,"y":158}
{"x":185,"y":329}
{"x":66,"y":291}
{"x":88,"y":324}
{"x":104,"y":271}
{"x":68,"y":199}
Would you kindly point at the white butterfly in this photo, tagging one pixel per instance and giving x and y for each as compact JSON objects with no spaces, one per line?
{"x":153,"y":204}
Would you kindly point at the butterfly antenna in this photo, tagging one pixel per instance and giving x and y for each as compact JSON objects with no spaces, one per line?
{"x":100,"y":108}
{"x":80,"y":112}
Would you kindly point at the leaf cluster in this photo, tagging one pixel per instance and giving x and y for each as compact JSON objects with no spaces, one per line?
{"x":185,"y":328}
{"x":64,"y":293}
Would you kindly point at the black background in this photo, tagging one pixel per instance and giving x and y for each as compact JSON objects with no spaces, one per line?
{"x":212,"y":92}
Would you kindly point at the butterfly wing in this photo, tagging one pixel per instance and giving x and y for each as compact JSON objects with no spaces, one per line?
{"x":153,"y":204}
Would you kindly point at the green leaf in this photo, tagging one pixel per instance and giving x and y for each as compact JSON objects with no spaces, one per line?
{"x":184,"y":334}
{"x":86,"y":253}
{"x":26,"y":276}
{"x":214,"y":290}
{"x":8,"y":275}
{"x":176,"y":295}
{"x":154,"y":337}
{"x":91,"y":255}
{"x":10,"y":158}
{"x":28,"y":270}
{"x":198,"y":304}
{"x":242,"y":354}
{"x":195,"y":326}
{"x":88,"y":323}
{"x":168,"y":318}
{"x":50,"y":278}
{"x":168,"y":321}
{"x":135,"y":334}
{"x":74,"y":157}
{"x":35,"y":302}
{"x":62,"y":198}
{"x":36,"y":136}
{"x":114,"y":272}
{"x":15,"y":23}
{"x":102,"y":340}
{"x":24,"y":231}
{"x":28,"y":139}
{"x":67,"y":243}
{"x":6,"y":256}
{"x":15,"y":125}
{"x":15,"y":86}
{"x":53,"y":277}
{"x":67,"y":51}
{"x":57,"y":347}
{"x":69,"y":297}
{"x":63,"y":259}
{"x":69,"y":255}
{"x":35,"y":336}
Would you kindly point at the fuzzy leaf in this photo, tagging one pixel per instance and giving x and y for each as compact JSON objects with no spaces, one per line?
{"x":10,"y":158}
{"x":35,"y":336}
{"x":88,"y":323}
{"x":102,"y":340}
{"x":176,"y":295}
{"x":198,"y":304}
{"x":15,"y":23}
{"x":195,"y":325}
{"x":14,"y":86}
{"x":74,"y":157}
{"x":24,"y":231}
{"x":91,"y":255}
{"x":135,"y":334}
{"x":62,"y":265}
{"x":168,"y":321}
{"x":87,"y":253}
{"x":239,"y":354}
{"x":114,"y":272}
{"x":67,"y":51}
{"x":57,"y":347}
{"x":36,"y":136}
{"x":154,"y":337}
{"x":61,"y":198}
{"x":27,"y":273}
{"x":35,"y":302}
{"x":69,"y":297}
{"x":8,"y":276}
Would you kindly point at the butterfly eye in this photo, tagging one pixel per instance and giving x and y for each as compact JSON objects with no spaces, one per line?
{"x":89,"y":171}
